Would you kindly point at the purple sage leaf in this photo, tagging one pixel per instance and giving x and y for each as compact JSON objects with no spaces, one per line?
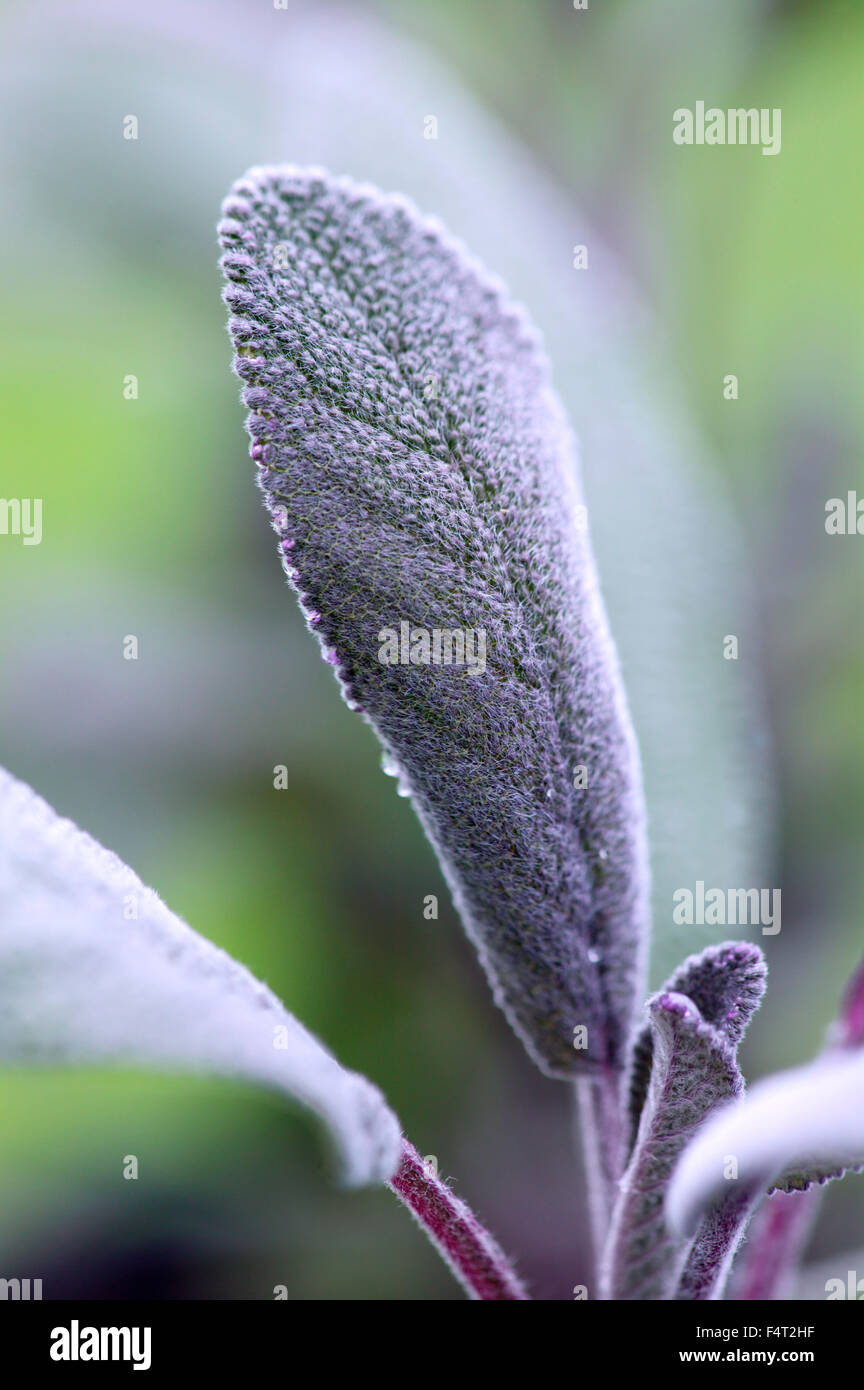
{"x":423,"y":481}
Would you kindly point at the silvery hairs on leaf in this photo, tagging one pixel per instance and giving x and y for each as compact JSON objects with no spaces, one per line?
{"x":95,"y":969}
{"x":419,"y":468}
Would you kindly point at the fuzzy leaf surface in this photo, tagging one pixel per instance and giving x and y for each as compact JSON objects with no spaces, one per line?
{"x":420,"y":471}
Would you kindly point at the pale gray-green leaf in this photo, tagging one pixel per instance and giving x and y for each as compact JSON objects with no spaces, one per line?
{"x":95,"y":969}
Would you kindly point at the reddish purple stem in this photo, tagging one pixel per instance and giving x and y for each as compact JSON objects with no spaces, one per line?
{"x":772,"y":1253}
{"x":474,"y":1256}
{"x":850,"y":1031}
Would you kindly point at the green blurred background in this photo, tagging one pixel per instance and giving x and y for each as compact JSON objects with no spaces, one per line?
{"x":730,"y":262}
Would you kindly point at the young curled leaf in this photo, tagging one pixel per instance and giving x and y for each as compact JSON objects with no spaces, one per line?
{"x":694,"y":1070}
{"x":726,"y":983}
{"x":95,"y":969}
{"x":423,"y":481}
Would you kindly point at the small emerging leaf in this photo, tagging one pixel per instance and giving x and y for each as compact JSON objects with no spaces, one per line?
{"x":95,"y":969}
{"x":694,"y":1070}
{"x":726,"y":983}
